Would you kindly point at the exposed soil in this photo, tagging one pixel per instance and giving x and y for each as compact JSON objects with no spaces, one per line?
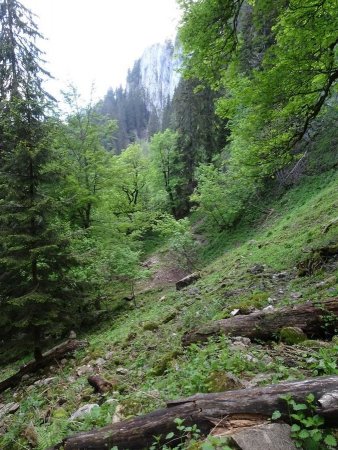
{"x":164,"y":272}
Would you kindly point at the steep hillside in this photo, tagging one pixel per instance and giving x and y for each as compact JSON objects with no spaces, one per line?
{"x":139,"y":349}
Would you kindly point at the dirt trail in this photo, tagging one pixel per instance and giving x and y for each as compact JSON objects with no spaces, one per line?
{"x":164,"y":272}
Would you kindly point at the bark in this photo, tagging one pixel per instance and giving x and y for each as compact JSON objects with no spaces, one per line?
{"x":99,"y":384}
{"x":316,"y":320}
{"x":48,"y":358}
{"x":208,"y":410}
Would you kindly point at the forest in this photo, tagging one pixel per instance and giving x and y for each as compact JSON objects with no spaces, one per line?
{"x":106,"y":206}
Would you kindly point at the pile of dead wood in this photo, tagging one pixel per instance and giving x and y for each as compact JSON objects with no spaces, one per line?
{"x":313,"y":318}
{"x":229,"y":410}
{"x":48,"y":358}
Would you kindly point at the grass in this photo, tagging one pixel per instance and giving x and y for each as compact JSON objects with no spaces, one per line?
{"x":158,"y":367}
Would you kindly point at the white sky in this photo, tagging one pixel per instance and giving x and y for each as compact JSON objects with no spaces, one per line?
{"x":97,"y":41}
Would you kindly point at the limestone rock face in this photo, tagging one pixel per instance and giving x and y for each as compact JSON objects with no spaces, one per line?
{"x":157,"y":75}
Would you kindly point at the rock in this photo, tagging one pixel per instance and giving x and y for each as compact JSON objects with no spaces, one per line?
{"x":223,"y":381}
{"x":85,"y":409}
{"x":256,"y":269}
{"x":186,"y":281}
{"x":234,"y":312}
{"x":281,"y":275}
{"x":72,"y":335}
{"x":251,"y":358}
{"x":268,"y":308}
{"x":237,"y":346}
{"x":63,"y":361}
{"x":122,"y":371}
{"x":44,"y":382}
{"x":109,"y":355}
{"x":194,"y":292}
{"x":117,"y":417}
{"x":296,"y":295}
{"x":273,"y":436}
{"x":25,"y":377}
{"x":272,"y":300}
{"x":84,"y":370}
{"x":150,"y":326}
{"x":267,"y":360}
{"x":292,"y":335}
{"x":162,"y":298}
{"x":258,"y":380}
{"x":243,"y":340}
{"x":8,"y":408}
{"x":100,"y":362}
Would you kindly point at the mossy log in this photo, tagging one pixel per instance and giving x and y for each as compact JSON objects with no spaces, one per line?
{"x":207,"y":411}
{"x":47,"y":358}
{"x":316,"y":320}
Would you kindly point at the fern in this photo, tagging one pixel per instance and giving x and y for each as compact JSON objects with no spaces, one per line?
{"x":48,"y":436}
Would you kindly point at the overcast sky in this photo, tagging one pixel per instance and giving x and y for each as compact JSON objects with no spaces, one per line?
{"x":97,"y":41}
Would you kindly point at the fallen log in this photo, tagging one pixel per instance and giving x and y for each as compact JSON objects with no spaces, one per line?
{"x":47,"y":358}
{"x":207,"y":410}
{"x":99,"y":384}
{"x":312,"y":318}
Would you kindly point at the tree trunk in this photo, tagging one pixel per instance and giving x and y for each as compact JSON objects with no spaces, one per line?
{"x":208,"y":410}
{"x":316,"y":320}
{"x":49,"y":357}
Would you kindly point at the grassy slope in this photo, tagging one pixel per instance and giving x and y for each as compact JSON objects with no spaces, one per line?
{"x":146,"y":340}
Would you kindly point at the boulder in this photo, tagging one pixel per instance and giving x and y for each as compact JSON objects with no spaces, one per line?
{"x":85,"y":409}
{"x":186,"y":281}
{"x":273,"y":436}
{"x":122,"y":371}
{"x":256,"y":269}
{"x":8,"y":408}
{"x":44,"y":382}
{"x":224,"y":381}
{"x":292,"y":335}
{"x":150,"y":326}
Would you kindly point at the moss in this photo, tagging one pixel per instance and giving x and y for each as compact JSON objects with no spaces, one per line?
{"x":223,"y":381}
{"x":169,"y":316}
{"x":163,"y":364}
{"x":309,"y":343}
{"x":150,"y":326}
{"x":292,"y":335}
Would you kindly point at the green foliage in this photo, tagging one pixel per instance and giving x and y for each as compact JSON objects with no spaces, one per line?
{"x":182,"y":247}
{"x":307,"y":426}
{"x":167,"y":165}
{"x":36,"y":256}
{"x":277,"y":67}
{"x":188,"y":437}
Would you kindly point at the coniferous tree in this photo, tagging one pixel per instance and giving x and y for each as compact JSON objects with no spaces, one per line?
{"x":36,"y":291}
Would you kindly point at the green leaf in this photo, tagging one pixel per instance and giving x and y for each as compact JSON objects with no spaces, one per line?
{"x":303,"y":434}
{"x":330,"y":440}
{"x":170,"y":435}
{"x":310,"y":398}
{"x":295,"y":428}
{"x":276,"y":415}
{"x":299,"y":407}
{"x":207,"y":446}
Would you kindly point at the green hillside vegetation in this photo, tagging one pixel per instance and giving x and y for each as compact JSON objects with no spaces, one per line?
{"x":147,"y":340}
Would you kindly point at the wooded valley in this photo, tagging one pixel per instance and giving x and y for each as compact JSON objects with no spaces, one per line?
{"x":190,"y":250}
